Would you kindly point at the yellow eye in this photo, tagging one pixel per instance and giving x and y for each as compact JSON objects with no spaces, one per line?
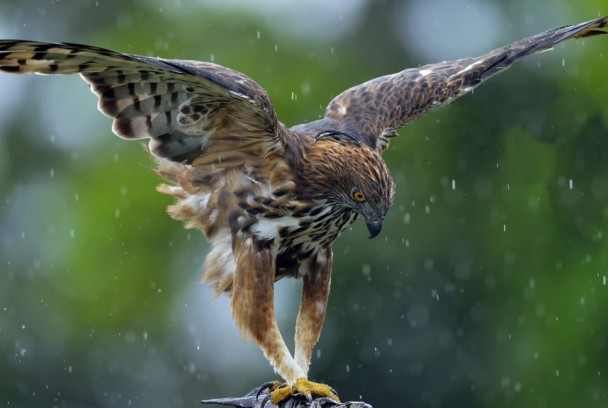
{"x":358,"y":196}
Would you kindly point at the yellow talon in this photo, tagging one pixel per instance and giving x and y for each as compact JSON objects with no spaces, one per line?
{"x":304,"y":387}
{"x":280,"y":394}
{"x":268,"y":387}
{"x":273,"y":386}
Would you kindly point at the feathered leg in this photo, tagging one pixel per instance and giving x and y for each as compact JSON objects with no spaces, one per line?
{"x":311,"y":316}
{"x":253,"y":310}
{"x":315,"y":293}
{"x":253,"y":303}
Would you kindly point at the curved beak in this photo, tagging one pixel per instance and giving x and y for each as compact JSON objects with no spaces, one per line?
{"x":374,"y":227}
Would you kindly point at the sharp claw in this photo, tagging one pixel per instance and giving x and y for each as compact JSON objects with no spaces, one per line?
{"x":263,"y":387}
{"x":308,"y":396}
{"x":252,"y":392}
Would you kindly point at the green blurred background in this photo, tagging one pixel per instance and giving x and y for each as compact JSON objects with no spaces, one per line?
{"x":487,"y":287}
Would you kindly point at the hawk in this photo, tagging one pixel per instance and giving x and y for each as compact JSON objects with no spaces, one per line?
{"x":270,"y":199}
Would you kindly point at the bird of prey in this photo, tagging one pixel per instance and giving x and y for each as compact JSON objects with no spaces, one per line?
{"x":270,"y":199}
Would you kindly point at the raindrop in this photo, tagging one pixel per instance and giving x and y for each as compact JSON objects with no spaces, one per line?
{"x":434,"y":294}
{"x":52,"y":173}
{"x":258,"y":34}
{"x":366,"y":269}
{"x":305,"y":88}
{"x":347,"y":368}
{"x":453,"y":184}
{"x":72,"y":233}
{"x":117,"y":213}
{"x":570,"y":184}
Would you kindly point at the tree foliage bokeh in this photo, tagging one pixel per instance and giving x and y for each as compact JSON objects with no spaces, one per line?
{"x":487,"y":287}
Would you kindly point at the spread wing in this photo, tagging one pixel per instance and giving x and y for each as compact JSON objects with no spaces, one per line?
{"x":193,"y":112}
{"x":375,"y":109}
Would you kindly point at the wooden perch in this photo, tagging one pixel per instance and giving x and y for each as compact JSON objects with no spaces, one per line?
{"x":254,"y":400}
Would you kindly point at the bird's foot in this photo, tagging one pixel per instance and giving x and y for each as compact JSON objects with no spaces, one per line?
{"x":268,"y":388}
{"x":303,"y":387}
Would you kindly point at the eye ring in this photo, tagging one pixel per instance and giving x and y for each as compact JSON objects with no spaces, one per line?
{"x":358,"y":196}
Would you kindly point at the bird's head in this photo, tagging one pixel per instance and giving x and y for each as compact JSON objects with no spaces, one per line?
{"x":352,"y":175}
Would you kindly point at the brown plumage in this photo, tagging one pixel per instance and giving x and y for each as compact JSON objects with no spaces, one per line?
{"x":271,"y":200}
